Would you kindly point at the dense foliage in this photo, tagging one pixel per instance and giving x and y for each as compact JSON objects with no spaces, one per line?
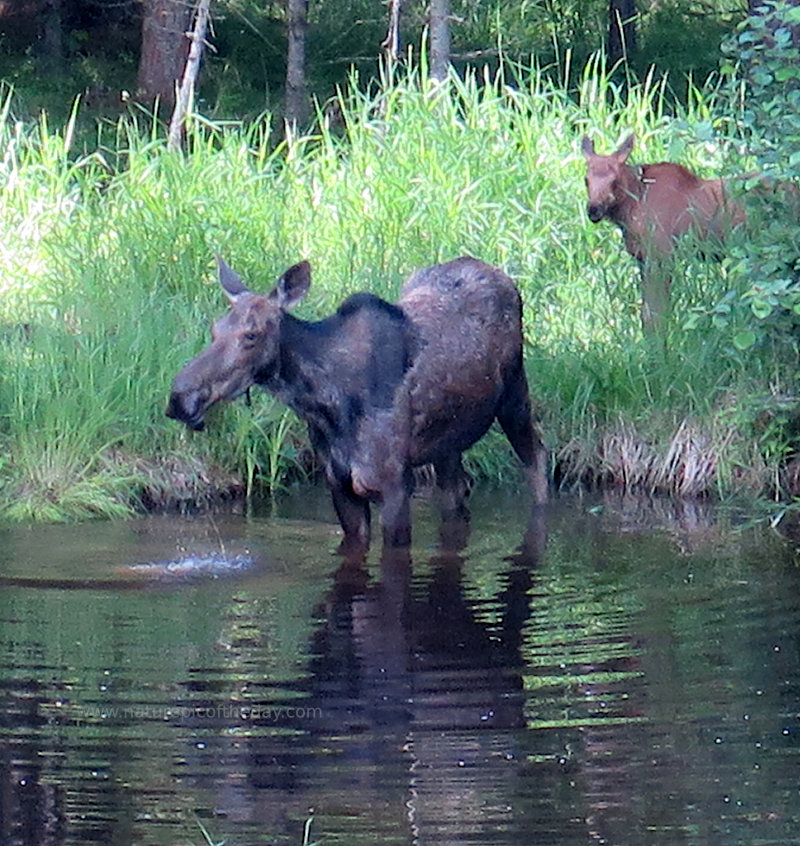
{"x":244,"y":73}
{"x":108,"y":285}
{"x":108,"y":288}
{"x":764,"y":93}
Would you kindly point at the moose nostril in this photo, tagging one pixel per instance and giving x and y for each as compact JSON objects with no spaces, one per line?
{"x":185,"y":406}
{"x":175,"y":407}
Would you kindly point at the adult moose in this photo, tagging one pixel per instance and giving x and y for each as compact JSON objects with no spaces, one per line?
{"x":383,"y":388}
{"x":654,"y":205}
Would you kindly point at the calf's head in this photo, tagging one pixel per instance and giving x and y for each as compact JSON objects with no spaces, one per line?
{"x":244,"y":346}
{"x":603,"y":177}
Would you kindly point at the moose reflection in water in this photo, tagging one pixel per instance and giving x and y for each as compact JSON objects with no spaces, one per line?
{"x":611,"y":689}
{"x":383,"y":388}
{"x":654,"y":205}
{"x":32,"y":805}
{"x":407,"y":686}
{"x":415,"y":683}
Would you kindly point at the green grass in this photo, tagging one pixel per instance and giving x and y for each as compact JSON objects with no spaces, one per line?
{"x":108,"y":286}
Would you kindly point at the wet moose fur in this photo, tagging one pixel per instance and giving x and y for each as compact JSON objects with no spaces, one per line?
{"x":383,"y":388}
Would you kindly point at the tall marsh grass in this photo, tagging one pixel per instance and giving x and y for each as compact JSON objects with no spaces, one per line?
{"x":108,"y":286}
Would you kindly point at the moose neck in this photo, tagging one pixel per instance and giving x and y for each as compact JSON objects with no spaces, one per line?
{"x":332,"y":371}
{"x":631,"y":186}
{"x":301,"y":363}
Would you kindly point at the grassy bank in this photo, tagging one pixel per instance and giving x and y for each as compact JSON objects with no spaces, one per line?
{"x":108,"y":288}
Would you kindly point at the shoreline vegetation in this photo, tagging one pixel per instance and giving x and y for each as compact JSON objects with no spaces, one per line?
{"x":108,"y":288}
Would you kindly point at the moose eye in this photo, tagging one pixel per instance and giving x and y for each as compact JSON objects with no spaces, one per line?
{"x":250,"y":337}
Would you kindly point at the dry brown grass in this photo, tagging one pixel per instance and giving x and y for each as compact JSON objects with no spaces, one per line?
{"x":695,"y":461}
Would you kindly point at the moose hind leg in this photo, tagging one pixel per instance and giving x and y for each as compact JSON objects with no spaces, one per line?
{"x":453,"y":483}
{"x":514,"y":416}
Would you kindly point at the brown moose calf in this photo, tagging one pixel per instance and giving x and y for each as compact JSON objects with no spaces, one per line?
{"x":654,"y":205}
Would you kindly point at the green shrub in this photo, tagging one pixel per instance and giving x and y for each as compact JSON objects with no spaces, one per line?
{"x":764,"y":88}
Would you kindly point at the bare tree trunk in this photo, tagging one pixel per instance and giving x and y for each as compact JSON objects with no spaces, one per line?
{"x":186,"y":92}
{"x":391,"y":43}
{"x":296,"y":105}
{"x":164,"y":50}
{"x":439,"y":25}
{"x":621,"y":30}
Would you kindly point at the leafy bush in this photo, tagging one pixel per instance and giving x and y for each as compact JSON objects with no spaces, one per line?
{"x":764,"y":88}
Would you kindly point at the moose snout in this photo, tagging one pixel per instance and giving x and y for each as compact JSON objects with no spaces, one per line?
{"x":188,"y":407}
{"x":596,"y":212}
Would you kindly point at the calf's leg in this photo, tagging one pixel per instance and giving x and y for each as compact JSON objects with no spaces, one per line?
{"x":655,"y":271}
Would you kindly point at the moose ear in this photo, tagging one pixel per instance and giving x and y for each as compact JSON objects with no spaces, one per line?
{"x":625,"y":148}
{"x":293,"y":285}
{"x":587,"y":146}
{"x":230,"y":281}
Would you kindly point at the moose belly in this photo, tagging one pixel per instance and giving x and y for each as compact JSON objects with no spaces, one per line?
{"x":449,"y":428}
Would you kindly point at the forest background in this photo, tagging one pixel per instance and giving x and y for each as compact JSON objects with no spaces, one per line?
{"x":53,"y":49}
{"x":373,"y":138}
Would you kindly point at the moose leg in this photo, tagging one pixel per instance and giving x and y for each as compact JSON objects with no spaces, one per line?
{"x":655,"y":272}
{"x":396,"y":512}
{"x":453,"y":483}
{"x":354,"y":516}
{"x":514,"y":415}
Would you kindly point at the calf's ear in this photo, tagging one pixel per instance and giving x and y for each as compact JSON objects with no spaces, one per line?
{"x":625,"y":148}
{"x":293,"y":285}
{"x":587,"y":146}
{"x":230,"y":281}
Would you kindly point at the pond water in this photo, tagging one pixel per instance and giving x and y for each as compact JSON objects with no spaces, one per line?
{"x":606,"y":670}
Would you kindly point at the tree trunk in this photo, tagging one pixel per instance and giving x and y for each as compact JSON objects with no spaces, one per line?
{"x":186,"y":92}
{"x":164,"y":50}
{"x":621,"y":31}
{"x":439,"y":25}
{"x":392,"y":44}
{"x":296,"y":105}
{"x":51,"y":39}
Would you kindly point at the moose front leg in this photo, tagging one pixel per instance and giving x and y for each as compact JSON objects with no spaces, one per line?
{"x":656,"y":277}
{"x":396,"y":512}
{"x":354,"y":517}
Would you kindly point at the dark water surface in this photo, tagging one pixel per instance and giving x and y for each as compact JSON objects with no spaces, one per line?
{"x":610,"y":671}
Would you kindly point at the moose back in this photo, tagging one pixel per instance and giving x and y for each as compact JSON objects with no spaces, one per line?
{"x":383,"y":388}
